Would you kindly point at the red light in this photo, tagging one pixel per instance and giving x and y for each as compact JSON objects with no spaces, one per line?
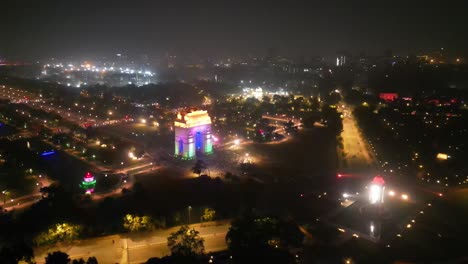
{"x":378,"y":180}
{"x":440,"y":194}
{"x":339,"y":175}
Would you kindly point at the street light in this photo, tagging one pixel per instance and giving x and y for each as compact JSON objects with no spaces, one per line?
{"x":189,"y":209}
{"x":5,"y":193}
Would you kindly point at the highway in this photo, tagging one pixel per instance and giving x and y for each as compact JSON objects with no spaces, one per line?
{"x":134,"y":248}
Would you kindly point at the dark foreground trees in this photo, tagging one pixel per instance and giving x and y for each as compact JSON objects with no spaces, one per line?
{"x":263,"y":240}
{"x":186,"y":246}
{"x":59,"y":257}
{"x":186,"y":242}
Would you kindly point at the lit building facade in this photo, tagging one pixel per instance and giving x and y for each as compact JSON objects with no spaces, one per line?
{"x":192,"y":134}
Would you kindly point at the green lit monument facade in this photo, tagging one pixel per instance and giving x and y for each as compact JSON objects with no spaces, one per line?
{"x":192,"y":134}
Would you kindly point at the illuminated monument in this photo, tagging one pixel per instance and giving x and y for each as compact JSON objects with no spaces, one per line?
{"x":377,"y":190}
{"x":88,"y":183}
{"x":192,"y":134}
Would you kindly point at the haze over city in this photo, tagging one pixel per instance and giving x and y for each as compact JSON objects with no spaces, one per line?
{"x":209,"y":28}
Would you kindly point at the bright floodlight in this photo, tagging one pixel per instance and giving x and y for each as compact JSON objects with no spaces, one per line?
{"x":345,"y":195}
{"x":237,"y":141}
{"x":376,"y":190}
{"x":391,"y":193}
{"x":375,"y":193}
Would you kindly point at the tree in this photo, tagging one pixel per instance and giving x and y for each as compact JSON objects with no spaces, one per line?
{"x":134,"y":223}
{"x":208,"y":215}
{"x":199,"y":167}
{"x":59,"y":232}
{"x":78,"y":261}
{"x":57,"y":257}
{"x":15,"y":245}
{"x":186,"y":242}
{"x":262,"y":240}
{"x":92,"y":260}
{"x":50,"y":191}
{"x":15,"y":253}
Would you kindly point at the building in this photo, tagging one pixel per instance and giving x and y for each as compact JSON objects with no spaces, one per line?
{"x":192,"y":134}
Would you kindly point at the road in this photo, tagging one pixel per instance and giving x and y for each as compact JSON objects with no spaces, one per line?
{"x":73,"y":115}
{"x":24,"y":201}
{"x":358,"y":155}
{"x":136,"y":248}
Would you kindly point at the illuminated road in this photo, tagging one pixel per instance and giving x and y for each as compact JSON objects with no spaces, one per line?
{"x":25,"y":200}
{"x":135,"y":249}
{"x":358,"y":154}
{"x":36,"y":102}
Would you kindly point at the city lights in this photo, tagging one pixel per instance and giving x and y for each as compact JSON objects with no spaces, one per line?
{"x":334,"y":149}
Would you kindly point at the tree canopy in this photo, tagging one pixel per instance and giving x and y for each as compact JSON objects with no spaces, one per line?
{"x":186,"y":242}
{"x":134,"y":223}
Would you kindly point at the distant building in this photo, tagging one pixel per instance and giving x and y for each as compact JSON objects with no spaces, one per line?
{"x":341,"y":59}
{"x":192,"y":134}
{"x":388,"y":96}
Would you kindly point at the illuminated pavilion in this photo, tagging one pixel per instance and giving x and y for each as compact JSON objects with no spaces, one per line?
{"x":192,"y":134}
{"x":89,"y":183}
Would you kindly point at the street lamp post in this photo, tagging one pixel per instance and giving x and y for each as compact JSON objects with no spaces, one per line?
{"x":5,"y":193}
{"x":189,"y":209}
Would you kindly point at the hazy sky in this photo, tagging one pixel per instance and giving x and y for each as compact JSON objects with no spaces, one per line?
{"x":42,"y":28}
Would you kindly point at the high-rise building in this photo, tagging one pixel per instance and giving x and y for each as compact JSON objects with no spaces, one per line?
{"x":192,"y":134}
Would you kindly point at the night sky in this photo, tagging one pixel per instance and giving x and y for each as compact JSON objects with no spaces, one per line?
{"x":44,"y":28}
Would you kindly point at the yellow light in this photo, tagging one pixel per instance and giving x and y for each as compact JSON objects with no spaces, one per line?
{"x":404,"y":196}
{"x":408,"y":226}
{"x":143,"y":121}
{"x":131,"y":155}
{"x":391,"y":193}
{"x":442,"y":156}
